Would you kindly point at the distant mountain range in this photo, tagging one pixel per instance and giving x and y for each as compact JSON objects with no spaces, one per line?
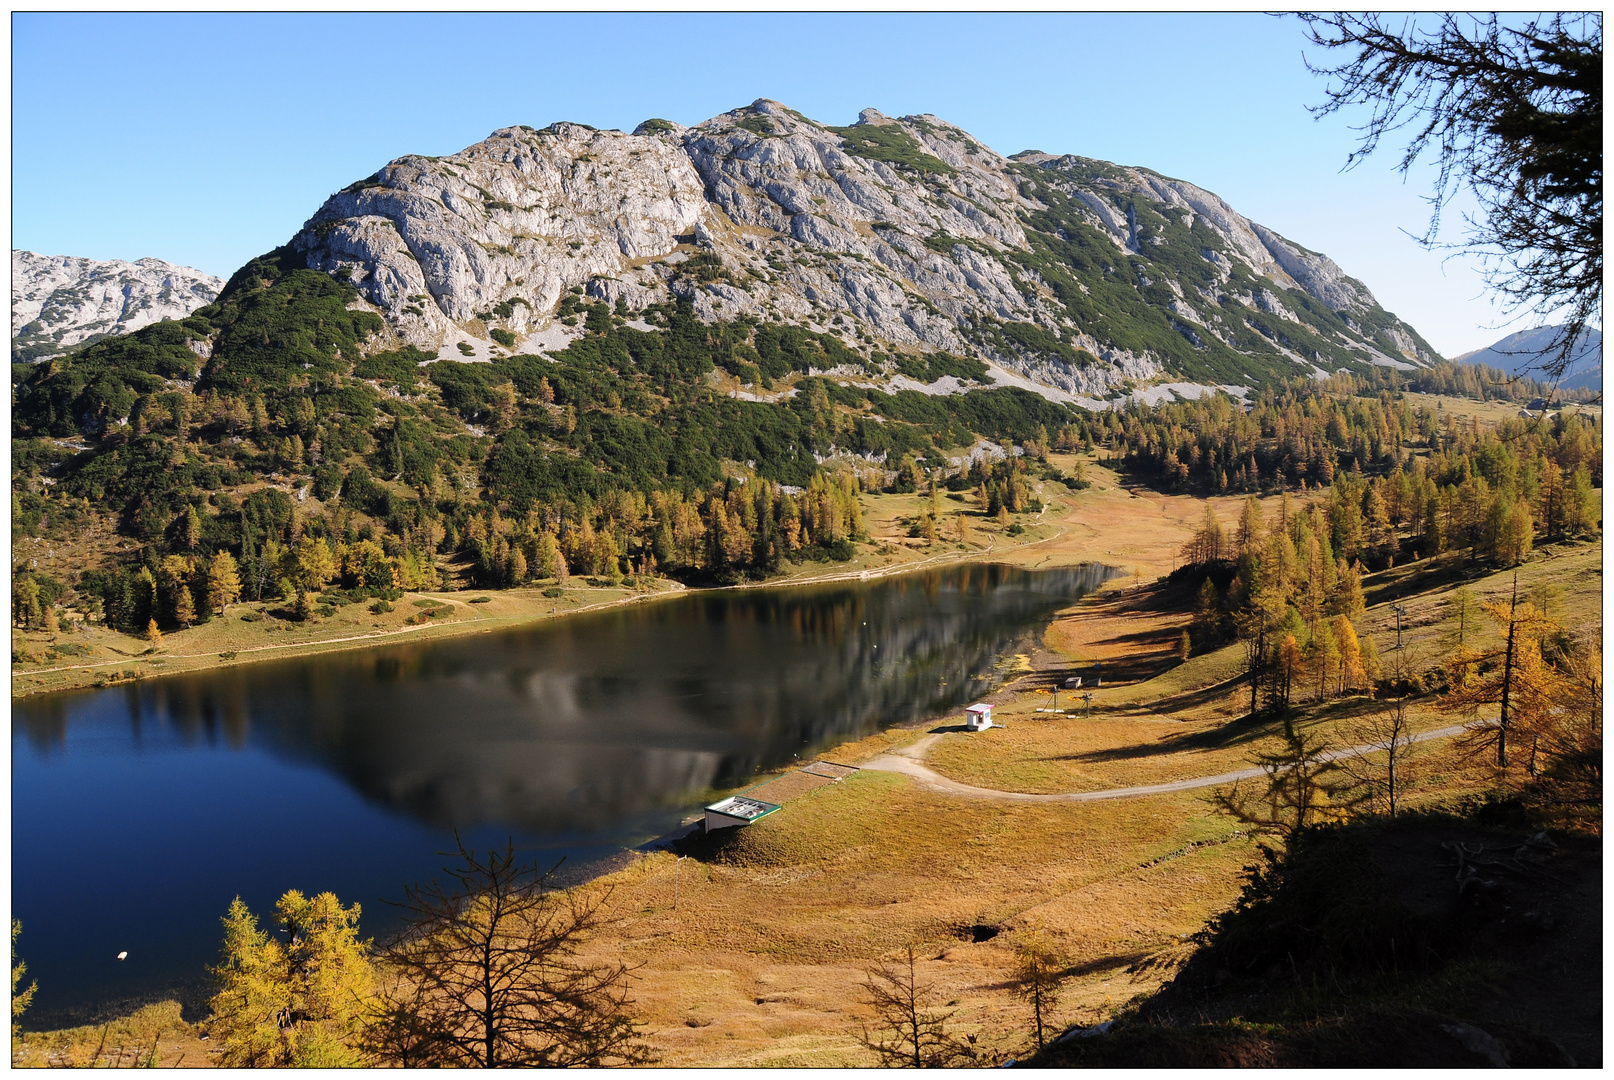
{"x":59,"y":302}
{"x":1523,"y":353}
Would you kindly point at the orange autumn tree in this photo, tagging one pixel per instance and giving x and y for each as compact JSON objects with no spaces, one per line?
{"x":1511,"y":675}
{"x":1351,"y":672}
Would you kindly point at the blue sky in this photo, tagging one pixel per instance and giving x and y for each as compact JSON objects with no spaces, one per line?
{"x":207,"y":139}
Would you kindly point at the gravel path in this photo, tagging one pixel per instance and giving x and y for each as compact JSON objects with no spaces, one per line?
{"x":908,"y":761}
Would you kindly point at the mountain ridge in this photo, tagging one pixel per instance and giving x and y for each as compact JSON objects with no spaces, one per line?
{"x":691,"y":349}
{"x":902,"y":233}
{"x":62,"y":302}
{"x":1523,"y":353}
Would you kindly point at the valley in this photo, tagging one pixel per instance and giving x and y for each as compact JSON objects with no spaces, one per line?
{"x":745,"y":387}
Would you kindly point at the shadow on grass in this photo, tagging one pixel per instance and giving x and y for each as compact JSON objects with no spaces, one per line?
{"x":1189,"y":700}
{"x":1240,"y":732}
{"x":1234,"y":733}
{"x":1389,"y":586}
{"x":1099,"y":966}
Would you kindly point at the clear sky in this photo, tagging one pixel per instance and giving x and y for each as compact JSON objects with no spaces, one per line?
{"x":208,"y":139}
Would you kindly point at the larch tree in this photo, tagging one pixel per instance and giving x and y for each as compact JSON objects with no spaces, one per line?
{"x":1569,"y":785}
{"x":1288,"y":665}
{"x":298,"y":1003}
{"x":1351,"y":672}
{"x":1322,"y":657}
{"x":1348,"y":599}
{"x":184,"y":605}
{"x":223,"y":581}
{"x":491,"y":974}
{"x":911,"y":1029}
{"x":25,"y":605}
{"x":1250,"y":527}
{"x":1510,"y":110}
{"x":1511,"y":675}
{"x":190,"y":529}
{"x":1386,"y":733}
{"x":309,"y":564}
{"x":20,"y":999}
{"x":1037,"y":978}
{"x":1460,"y":603}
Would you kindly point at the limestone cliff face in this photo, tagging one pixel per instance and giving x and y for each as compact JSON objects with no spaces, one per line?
{"x":59,"y":302}
{"x":438,"y":243}
{"x":898,"y":234}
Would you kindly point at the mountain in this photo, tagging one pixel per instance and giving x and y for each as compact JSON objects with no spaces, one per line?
{"x":59,"y":302}
{"x":1523,"y":353}
{"x":1070,"y":274}
{"x":693,"y":348}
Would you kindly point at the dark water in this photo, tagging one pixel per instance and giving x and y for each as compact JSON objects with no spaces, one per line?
{"x":139,"y":811}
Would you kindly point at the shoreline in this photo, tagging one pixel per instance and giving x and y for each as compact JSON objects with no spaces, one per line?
{"x":1083,"y":527}
{"x":460,"y":627}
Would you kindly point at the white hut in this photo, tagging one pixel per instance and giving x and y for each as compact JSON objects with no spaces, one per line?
{"x":978,"y":717}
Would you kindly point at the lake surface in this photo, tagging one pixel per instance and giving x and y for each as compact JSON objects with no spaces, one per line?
{"x":139,"y":811}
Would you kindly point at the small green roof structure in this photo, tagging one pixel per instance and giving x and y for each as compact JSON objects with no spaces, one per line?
{"x":736,"y":810}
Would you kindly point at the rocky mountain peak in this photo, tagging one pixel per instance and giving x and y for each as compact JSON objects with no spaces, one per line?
{"x":896,"y":233}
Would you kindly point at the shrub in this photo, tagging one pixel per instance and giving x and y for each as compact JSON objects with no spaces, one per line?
{"x":484,"y":599}
{"x":553,"y":593}
{"x":466,"y":349}
{"x":503,"y":337}
{"x":892,"y":144}
{"x":380,"y":607}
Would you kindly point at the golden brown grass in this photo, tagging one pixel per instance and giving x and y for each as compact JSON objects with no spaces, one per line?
{"x":125,"y":1043}
{"x":773,"y":932}
{"x":761,"y":963}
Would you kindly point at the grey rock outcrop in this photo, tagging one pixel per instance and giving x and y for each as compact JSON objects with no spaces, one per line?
{"x":439,"y":243}
{"x":59,"y":302}
{"x":900,"y":234}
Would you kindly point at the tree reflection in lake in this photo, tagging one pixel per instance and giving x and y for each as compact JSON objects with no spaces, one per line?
{"x":578,"y":734}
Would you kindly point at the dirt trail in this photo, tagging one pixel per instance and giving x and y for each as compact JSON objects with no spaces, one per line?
{"x":908,"y":762}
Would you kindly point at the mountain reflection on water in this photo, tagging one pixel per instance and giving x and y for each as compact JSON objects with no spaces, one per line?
{"x":586,"y":722}
{"x":138,"y":811}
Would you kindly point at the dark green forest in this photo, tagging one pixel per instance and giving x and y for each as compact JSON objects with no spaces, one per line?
{"x":277,"y":427}
{"x":269,"y":417}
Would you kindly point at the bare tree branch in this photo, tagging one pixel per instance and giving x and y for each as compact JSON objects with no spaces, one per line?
{"x":1512,"y":114}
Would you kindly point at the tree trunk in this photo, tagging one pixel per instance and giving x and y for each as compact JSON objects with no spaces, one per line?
{"x":1507,"y":681}
{"x":1255,"y":669}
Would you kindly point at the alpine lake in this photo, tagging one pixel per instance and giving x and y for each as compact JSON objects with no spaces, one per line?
{"x":140,"y":810}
